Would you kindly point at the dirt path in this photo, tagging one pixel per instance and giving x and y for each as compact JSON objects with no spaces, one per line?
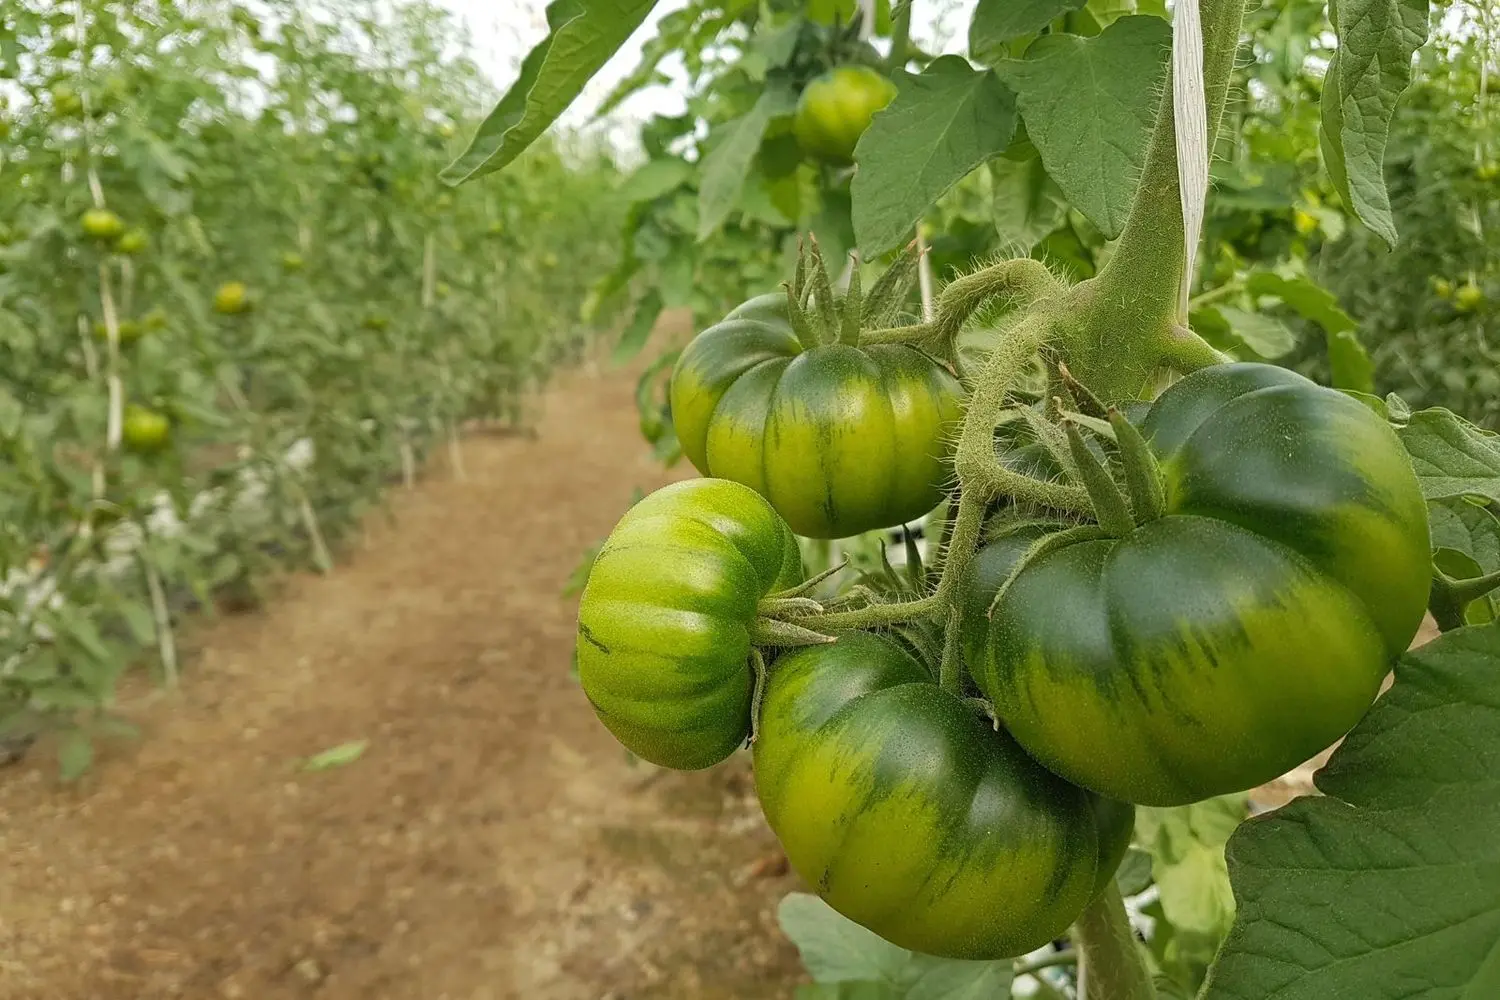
{"x":492,"y":842}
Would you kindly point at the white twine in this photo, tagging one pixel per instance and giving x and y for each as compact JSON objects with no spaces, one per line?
{"x":1191,"y":118}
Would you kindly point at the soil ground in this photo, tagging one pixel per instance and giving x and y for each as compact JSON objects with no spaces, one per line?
{"x":492,"y":841}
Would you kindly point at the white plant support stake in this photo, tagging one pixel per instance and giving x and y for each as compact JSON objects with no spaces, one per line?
{"x":1190,"y":115}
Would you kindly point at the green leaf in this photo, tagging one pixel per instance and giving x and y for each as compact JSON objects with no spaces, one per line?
{"x":654,"y":179}
{"x":1349,"y":364}
{"x":942,"y":124}
{"x":638,"y":331}
{"x":1309,"y":299}
{"x":1364,"y":81}
{"x":1187,"y":861}
{"x":1089,"y":105}
{"x":344,"y":753}
{"x":1267,"y":336}
{"x":76,"y":755}
{"x":1134,"y":874}
{"x":837,"y":950}
{"x":1469,"y":528}
{"x":1027,"y":205}
{"x":728,"y":164}
{"x":996,"y":22}
{"x":582,"y":35}
{"x":1387,"y":888}
{"x":1451,"y":456}
{"x":847,"y":991}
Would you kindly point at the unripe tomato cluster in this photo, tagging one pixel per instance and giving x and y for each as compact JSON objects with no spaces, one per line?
{"x":1222,"y":633}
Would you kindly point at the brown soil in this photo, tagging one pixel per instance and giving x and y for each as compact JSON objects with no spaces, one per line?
{"x":492,"y":841}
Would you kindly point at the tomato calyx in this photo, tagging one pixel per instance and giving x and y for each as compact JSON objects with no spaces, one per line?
{"x":819,"y":315}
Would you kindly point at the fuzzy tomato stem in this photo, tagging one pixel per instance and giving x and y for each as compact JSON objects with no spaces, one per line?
{"x":1115,"y":967}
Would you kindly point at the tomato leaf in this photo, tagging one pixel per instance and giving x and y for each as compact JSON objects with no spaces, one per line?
{"x":996,"y":22}
{"x":1469,"y":528}
{"x":1309,"y":299}
{"x":76,"y":755}
{"x":1089,"y":105}
{"x":728,"y":164}
{"x":655,"y":178}
{"x":1364,"y":80}
{"x":1349,"y":364}
{"x":1388,"y":886}
{"x":847,"y":991}
{"x":1451,"y":456}
{"x":835,"y":949}
{"x":1027,"y":204}
{"x":941,"y":125}
{"x":1186,"y":845}
{"x":638,"y":331}
{"x":581,"y":37}
{"x":1267,"y":336}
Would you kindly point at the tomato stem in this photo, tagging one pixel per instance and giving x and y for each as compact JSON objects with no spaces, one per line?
{"x":1107,"y":945}
{"x":871,"y":616}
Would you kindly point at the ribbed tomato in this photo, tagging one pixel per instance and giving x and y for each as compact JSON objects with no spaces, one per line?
{"x":1218,"y":646}
{"x":840,"y":438}
{"x":910,"y":814}
{"x":663,"y":623}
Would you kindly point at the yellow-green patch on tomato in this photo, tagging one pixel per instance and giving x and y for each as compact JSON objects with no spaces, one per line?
{"x":664,"y":619}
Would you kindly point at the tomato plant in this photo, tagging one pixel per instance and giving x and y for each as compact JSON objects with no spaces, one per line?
{"x":1160,"y":574}
{"x":161,"y":441}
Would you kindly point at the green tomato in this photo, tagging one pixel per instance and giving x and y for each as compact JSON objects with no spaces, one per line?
{"x":101,"y":224}
{"x":231,"y":297}
{"x":131,"y":242}
{"x":145,"y":431}
{"x":1467,"y":297}
{"x":1216,"y":647}
{"x":840,"y":439}
{"x":835,"y":109}
{"x":910,"y":814}
{"x":663,"y":623}
{"x":1442,"y":288}
{"x":292,"y":261}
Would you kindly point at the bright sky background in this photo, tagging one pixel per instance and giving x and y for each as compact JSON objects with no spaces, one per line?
{"x":505,"y":30}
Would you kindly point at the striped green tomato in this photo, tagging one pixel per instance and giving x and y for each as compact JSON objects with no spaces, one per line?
{"x":663,"y":623}
{"x":1218,"y":646}
{"x":840,"y":439}
{"x":910,"y":814}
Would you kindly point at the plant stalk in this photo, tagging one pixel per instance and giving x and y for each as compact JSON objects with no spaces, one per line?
{"x":1107,"y":947}
{"x":1138,"y":286}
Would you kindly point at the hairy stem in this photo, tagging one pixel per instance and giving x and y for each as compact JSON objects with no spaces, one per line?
{"x":1116,"y":969}
{"x":1139,"y":284}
